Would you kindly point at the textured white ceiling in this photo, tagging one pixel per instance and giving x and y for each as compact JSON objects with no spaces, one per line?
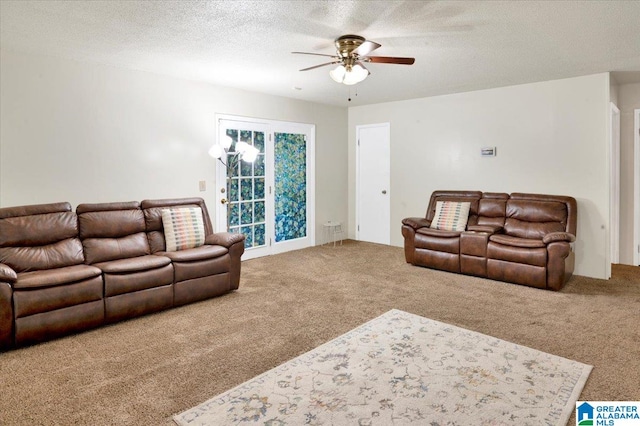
{"x":458,"y":45}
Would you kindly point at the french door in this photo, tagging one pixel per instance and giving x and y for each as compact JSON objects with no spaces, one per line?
{"x":271,"y":200}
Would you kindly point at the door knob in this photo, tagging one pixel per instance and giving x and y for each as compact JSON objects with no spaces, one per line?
{"x":384,"y":191}
{"x":223,"y":201}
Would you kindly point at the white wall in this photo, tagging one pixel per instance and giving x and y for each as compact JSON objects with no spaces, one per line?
{"x":551,"y":138}
{"x":83,"y":132}
{"x":628,"y":100}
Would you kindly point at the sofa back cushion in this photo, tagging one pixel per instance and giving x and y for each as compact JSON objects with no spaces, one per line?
{"x":153,"y":218}
{"x":492,"y":209}
{"x":37,"y":237}
{"x":535,"y":218}
{"x":112,"y":231}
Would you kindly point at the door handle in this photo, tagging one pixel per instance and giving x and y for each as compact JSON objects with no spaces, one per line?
{"x":223,"y":201}
{"x":384,"y":191}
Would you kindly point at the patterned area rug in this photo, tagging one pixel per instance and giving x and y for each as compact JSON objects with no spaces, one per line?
{"x":399,"y":369}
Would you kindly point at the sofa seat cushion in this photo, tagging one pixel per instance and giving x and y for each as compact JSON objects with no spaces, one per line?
{"x":438,"y":240}
{"x":515,"y":254}
{"x":135,"y":281}
{"x":55,"y":277}
{"x":134,"y":264}
{"x":439,"y":233}
{"x":195,"y":254}
{"x":508,"y":240}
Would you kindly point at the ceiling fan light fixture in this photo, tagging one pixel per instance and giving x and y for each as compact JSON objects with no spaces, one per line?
{"x":357,"y":74}
{"x":338,"y":73}
{"x":349,"y":75}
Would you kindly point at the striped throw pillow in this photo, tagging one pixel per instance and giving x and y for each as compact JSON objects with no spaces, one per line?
{"x":451,"y":215}
{"x":183,"y":228}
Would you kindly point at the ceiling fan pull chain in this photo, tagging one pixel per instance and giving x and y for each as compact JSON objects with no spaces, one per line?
{"x":355,"y":94}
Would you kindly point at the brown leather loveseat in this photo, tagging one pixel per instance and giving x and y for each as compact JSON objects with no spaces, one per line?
{"x":63,"y":271}
{"x":521,"y":238}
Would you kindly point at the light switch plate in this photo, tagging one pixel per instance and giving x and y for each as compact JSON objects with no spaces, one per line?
{"x":203,"y":185}
{"x":488,"y":151}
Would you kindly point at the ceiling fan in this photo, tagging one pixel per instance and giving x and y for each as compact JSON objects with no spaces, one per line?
{"x":352,"y":52}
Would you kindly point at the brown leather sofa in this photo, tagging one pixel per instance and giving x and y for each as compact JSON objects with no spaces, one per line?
{"x":62,"y":271}
{"x":520,"y":238}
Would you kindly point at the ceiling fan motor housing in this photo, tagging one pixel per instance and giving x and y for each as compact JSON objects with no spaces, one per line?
{"x":346,"y":44}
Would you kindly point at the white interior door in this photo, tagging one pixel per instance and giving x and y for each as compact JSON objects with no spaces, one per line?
{"x":373,"y":207}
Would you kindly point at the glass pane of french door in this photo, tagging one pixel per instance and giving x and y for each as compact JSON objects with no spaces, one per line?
{"x":290,"y":158}
{"x":246,"y":209}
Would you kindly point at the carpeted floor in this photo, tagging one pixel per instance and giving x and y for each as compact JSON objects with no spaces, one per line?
{"x":145,"y":370}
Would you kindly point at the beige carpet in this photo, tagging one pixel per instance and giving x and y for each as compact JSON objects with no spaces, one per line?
{"x":145,"y":370}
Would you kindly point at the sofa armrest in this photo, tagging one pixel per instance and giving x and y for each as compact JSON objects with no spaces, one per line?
{"x":416,"y":222}
{"x":6,"y":315}
{"x":491,"y":229}
{"x":7,"y":274}
{"x":235,"y":244}
{"x":558,"y":236}
{"x":225,"y":239}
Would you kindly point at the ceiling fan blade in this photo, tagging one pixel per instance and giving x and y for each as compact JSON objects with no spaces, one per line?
{"x":316,"y":54}
{"x":365,"y":68}
{"x":321,"y":65}
{"x":366,"y":47}
{"x":388,"y":60}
